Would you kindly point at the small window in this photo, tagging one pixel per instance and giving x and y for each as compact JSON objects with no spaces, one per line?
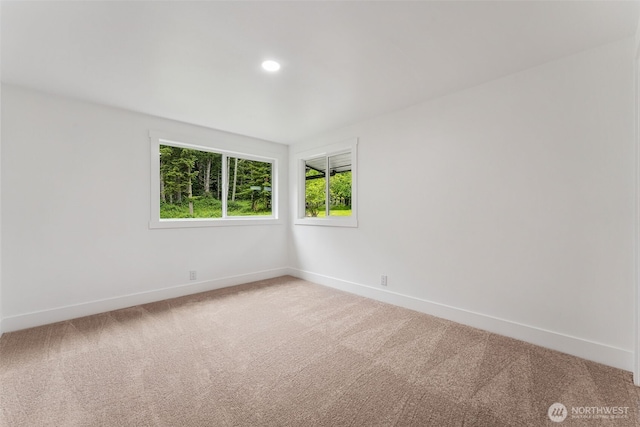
{"x":200,"y":186}
{"x":327,"y":190}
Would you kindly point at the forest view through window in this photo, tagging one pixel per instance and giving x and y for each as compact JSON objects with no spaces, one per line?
{"x":206,"y":184}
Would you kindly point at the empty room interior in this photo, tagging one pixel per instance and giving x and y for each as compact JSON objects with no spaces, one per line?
{"x":319,"y":213}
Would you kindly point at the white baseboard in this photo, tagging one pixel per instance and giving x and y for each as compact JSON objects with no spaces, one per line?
{"x":45,"y":317}
{"x":597,"y":352}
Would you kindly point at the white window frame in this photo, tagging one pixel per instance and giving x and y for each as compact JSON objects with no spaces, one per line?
{"x":327,"y":151}
{"x":156,"y":139}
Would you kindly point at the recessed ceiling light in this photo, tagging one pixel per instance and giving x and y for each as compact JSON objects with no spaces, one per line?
{"x":271,"y":66}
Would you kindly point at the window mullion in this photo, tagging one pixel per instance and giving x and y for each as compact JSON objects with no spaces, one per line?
{"x":327,"y":175}
{"x":225,"y":185}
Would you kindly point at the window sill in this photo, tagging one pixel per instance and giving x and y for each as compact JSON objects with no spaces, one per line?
{"x":328,"y":222}
{"x":216,"y":222}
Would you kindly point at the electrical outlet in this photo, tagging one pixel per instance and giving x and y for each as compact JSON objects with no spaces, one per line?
{"x":192,"y":275}
{"x":383,"y":280}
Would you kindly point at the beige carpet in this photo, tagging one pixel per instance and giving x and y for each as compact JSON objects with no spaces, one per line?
{"x":285,"y":352}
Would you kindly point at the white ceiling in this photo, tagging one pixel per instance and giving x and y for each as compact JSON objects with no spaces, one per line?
{"x":199,"y":62}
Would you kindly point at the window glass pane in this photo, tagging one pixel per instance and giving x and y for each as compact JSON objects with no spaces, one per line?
{"x":190,"y":183}
{"x":249,"y":187}
{"x":315,"y":187}
{"x":340,"y":184}
{"x":340,"y":193}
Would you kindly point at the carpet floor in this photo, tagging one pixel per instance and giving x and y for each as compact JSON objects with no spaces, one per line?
{"x":285,"y":352}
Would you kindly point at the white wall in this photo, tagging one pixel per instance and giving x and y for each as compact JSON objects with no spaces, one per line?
{"x":636,"y":371}
{"x":508,"y":206}
{"x":1,"y":329}
{"x":75,"y":200}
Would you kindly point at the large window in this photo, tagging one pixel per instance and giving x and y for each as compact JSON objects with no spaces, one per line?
{"x":328,"y":186}
{"x":199,"y":186}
